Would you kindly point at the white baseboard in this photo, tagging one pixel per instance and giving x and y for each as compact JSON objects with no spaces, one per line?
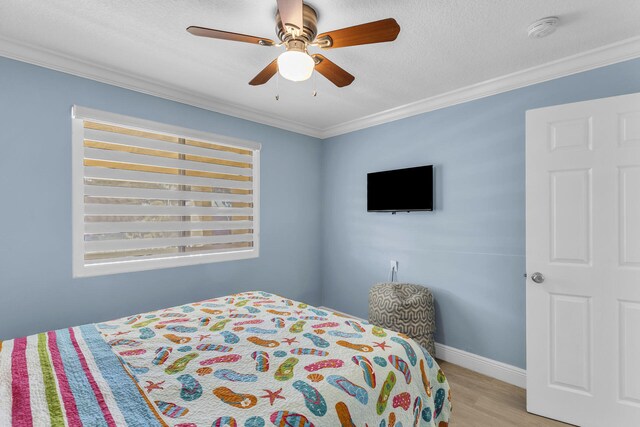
{"x":489,"y":367}
{"x":322,"y":307}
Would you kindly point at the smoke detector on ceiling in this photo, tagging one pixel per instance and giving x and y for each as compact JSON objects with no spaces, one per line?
{"x":543,"y":27}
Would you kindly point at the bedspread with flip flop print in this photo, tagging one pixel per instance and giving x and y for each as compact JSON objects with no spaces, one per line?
{"x":249,"y":360}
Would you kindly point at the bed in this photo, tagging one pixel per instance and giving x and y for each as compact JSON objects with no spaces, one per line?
{"x":249,"y":360}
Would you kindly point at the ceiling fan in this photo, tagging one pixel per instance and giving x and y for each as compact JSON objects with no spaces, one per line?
{"x":296,"y":27}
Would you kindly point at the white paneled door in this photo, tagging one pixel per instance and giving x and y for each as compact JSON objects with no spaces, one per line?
{"x":583,"y":262}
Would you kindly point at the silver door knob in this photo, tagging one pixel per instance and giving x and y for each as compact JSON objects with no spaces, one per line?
{"x":537,"y":277}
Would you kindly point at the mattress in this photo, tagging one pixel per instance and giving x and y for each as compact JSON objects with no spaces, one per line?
{"x":252,"y":359}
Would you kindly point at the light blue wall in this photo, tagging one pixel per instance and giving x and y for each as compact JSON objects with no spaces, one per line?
{"x":37,"y":291}
{"x":471,"y":250}
{"x":318,"y":242}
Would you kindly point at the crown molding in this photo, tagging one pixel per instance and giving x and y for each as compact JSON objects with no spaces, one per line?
{"x":61,"y":62}
{"x":584,"y":61}
{"x":599,"y":57}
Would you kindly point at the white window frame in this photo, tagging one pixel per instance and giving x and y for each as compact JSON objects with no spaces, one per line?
{"x":80,"y":269}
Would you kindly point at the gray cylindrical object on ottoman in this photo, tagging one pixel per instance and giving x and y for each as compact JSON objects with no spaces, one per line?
{"x":406,"y":308}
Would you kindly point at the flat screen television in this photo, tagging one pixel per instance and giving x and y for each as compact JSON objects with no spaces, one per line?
{"x":400,"y":190}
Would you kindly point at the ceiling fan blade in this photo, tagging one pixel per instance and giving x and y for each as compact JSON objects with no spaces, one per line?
{"x":332,"y":72}
{"x":291,"y":13}
{"x":266,"y":74}
{"x":225,"y":35}
{"x":385,"y":30}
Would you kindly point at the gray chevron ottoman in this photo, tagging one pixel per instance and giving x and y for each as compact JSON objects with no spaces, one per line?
{"x":406,"y":308}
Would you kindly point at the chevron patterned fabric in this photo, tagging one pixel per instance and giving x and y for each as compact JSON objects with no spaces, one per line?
{"x":406,"y":308}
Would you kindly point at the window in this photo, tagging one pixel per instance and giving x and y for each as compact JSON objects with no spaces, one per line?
{"x":148,"y":195}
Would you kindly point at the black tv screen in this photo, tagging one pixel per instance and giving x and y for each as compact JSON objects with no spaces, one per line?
{"x":398,"y":190}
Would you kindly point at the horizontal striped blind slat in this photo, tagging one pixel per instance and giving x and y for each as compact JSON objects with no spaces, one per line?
{"x":148,"y":193}
{"x":106,"y":173}
{"x":142,"y":226}
{"x":110,"y":164}
{"x":135,"y":141}
{"x":122,"y":156}
{"x":166,"y":252}
{"x":150,"y":210}
{"x":113,"y":245}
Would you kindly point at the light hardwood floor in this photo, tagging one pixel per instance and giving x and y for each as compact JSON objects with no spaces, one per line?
{"x":481,"y":401}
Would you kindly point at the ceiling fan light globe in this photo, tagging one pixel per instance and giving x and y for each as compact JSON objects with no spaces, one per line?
{"x":295,"y":65}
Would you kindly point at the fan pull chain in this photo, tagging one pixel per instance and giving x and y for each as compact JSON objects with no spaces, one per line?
{"x":315,"y":90}
{"x":278,"y":87}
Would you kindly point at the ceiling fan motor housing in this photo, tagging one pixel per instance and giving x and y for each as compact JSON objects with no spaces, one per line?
{"x":307,"y":33}
{"x":297,"y":45}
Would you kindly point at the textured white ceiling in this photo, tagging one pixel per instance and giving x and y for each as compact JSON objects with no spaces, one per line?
{"x":443,"y":45}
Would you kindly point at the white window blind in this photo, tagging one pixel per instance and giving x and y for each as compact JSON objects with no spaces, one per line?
{"x":148,"y":195}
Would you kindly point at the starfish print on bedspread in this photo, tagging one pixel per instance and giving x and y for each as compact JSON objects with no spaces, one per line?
{"x":383,"y":345}
{"x":154,"y":386}
{"x":273,"y":395}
